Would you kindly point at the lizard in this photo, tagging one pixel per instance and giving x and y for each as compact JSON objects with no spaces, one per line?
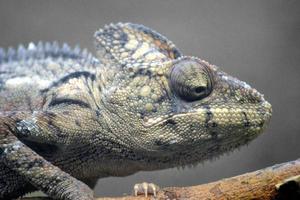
{"x":69,"y":117}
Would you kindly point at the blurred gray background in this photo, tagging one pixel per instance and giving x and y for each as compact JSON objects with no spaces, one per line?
{"x":256,"y":41}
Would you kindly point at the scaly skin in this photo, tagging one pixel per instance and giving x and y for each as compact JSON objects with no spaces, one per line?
{"x":68,"y":118}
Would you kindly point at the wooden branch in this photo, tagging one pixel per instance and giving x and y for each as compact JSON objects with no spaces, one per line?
{"x":260,"y":184}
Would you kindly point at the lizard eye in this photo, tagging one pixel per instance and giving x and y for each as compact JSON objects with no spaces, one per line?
{"x":191,"y":80}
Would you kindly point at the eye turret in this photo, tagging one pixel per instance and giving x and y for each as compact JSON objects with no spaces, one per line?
{"x":191,"y":80}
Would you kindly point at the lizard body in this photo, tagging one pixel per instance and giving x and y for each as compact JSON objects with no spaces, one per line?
{"x":68,"y":117}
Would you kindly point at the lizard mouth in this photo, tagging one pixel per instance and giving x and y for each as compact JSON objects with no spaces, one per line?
{"x":150,"y":122}
{"x":258,"y":116}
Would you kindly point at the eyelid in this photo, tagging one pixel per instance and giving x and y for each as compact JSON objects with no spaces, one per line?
{"x":179,"y":76}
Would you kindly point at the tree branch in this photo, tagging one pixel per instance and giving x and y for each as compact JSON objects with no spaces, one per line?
{"x":260,"y":184}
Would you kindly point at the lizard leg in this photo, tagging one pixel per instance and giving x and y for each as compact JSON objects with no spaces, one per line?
{"x":12,"y":185}
{"x":38,"y":171}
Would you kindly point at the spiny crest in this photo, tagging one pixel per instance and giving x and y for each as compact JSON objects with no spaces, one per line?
{"x":45,"y":50}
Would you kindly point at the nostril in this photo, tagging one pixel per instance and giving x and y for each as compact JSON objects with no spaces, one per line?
{"x":254,"y":96}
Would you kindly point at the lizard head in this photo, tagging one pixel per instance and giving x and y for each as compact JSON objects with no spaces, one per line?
{"x":172,"y":106}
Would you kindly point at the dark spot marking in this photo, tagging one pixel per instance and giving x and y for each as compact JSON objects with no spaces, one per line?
{"x":158,"y":142}
{"x":232,"y":91}
{"x":246,"y":123}
{"x":39,"y":163}
{"x":149,"y":52}
{"x":55,"y":129}
{"x":99,"y":88}
{"x":59,"y":133}
{"x":261,"y":124}
{"x":209,"y":116}
{"x":214,"y":124}
{"x":161,"y":144}
{"x":171,"y":121}
{"x":50,"y":115}
{"x":33,"y":163}
{"x":70,"y":76}
{"x":66,"y":112}
{"x":160,"y":99}
{"x":241,"y":101}
{"x":143,"y":114}
{"x":67,"y":101}
{"x":29,"y":103}
{"x":77,"y":122}
{"x":142,"y":71}
{"x":214,"y":135}
{"x":130,"y":69}
{"x":24,"y":132}
{"x":97,"y":113}
{"x":123,"y":37}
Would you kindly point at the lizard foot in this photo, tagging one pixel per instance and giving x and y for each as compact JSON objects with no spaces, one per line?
{"x":145,"y":188}
{"x":289,"y":188}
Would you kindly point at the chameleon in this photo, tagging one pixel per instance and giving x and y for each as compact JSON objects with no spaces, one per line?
{"x":68,"y":117}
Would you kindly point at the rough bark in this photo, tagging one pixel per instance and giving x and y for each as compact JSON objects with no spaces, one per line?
{"x":260,"y":184}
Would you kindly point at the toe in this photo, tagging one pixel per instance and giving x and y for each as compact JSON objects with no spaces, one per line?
{"x":145,"y":189}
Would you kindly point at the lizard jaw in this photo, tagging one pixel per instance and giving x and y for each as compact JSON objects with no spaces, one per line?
{"x":202,"y":112}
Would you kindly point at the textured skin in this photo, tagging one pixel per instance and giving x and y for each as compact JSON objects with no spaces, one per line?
{"x":68,"y":118}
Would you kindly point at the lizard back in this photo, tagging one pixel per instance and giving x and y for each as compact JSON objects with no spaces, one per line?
{"x":26,"y":73}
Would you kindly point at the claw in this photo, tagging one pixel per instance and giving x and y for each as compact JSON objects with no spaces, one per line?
{"x":145,"y":188}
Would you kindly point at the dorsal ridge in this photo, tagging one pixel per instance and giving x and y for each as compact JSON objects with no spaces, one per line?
{"x":43,"y":50}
